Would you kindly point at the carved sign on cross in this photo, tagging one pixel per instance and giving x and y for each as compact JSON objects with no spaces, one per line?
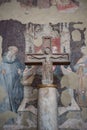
{"x":47,"y":60}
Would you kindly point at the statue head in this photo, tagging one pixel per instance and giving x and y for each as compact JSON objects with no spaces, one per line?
{"x":47,"y":50}
{"x":54,"y":49}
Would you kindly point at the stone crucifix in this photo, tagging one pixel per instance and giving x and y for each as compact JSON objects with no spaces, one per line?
{"x":47,"y":93}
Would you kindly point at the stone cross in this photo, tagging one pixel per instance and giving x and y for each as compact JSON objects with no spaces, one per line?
{"x":47,"y":93}
{"x":47,"y":60}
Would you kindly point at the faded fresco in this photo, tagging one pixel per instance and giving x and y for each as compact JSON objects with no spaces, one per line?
{"x":18,"y":39}
{"x":67,"y":5}
{"x":61,"y":5}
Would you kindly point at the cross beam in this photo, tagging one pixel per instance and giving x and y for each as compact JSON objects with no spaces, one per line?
{"x":55,"y":58}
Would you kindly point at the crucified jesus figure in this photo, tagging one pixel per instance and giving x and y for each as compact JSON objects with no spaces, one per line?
{"x":47,"y":60}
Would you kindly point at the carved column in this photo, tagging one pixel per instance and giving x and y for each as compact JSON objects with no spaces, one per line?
{"x":47,"y":107}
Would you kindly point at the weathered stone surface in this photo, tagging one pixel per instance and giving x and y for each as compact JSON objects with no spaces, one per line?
{"x":29,"y":119}
{"x":65,"y":98}
{"x":34,"y":94}
{"x":74,"y":114}
{"x":82,"y":98}
{"x":68,"y":80}
{"x":62,"y":118}
{"x":27,"y":108}
{"x":5,"y":116}
{"x":84,"y":114}
{"x":62,"y":110}
{"x":64,"y":81}
{"x":72,"y":124}
{"x":47,"y":109}
{"x":73,"y":107}
{"x":30,"y":95}
{"x":84,"y":126}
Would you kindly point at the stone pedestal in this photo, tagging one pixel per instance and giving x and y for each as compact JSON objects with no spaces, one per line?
{"x":47,"y":107}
